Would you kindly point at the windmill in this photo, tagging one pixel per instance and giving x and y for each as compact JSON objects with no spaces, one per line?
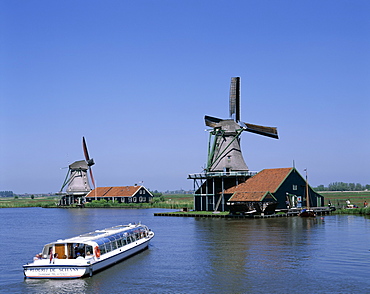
{"x":76,"y":180}
{"x":224,"y":153}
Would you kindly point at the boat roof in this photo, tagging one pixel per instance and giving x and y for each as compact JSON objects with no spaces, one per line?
{"x":99,"y":234}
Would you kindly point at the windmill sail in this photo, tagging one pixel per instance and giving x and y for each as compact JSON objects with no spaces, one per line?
{"x":211,"y":121}
{"x":261,"y":130}
{"x":234,"y":98}
{"x":89,"y":160}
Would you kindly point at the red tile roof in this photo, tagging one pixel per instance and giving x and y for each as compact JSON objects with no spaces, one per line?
{"x":251,"y":196}
{"x":267,"y":180}
{"x":125,"y":191}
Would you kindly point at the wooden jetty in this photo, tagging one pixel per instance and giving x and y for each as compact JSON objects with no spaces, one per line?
{"x":280,"y":213}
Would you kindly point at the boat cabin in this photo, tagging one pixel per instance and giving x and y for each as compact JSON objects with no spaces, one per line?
{"x":95,"y":243}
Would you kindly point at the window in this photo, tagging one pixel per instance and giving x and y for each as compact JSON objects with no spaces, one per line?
{"x":89,"y":250}
{"x":102,"y":249}
{"x":108,"y":246}
{"x":295,"y":187}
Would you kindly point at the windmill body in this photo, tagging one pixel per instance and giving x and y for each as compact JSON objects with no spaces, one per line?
{"x":226,"y":155}
{"x":78,"y":183}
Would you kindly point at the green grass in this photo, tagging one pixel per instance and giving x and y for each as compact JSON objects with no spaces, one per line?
{"x":7,"y":202}
{"x":338,"y":199}
{"x":200,"y":212}
{"x":361,"y":211}
{"x":165,"y":204}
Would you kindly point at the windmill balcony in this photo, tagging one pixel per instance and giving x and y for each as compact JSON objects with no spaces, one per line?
{"x":222,"y":174}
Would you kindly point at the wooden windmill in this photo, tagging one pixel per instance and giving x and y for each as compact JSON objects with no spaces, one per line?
{"x":77,"y":181}
{"x":224,"y":153}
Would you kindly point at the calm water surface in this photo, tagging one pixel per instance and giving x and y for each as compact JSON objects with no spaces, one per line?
{"x":328,"y":254}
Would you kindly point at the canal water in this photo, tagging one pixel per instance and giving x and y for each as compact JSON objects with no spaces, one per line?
{"x":329,"y":254}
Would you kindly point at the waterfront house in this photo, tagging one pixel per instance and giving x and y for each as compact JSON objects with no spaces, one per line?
{"x":286,"y":185}
{"x":124,"y":194}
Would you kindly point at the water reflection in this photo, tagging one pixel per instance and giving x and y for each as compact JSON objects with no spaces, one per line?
{"x":56,"y":286}
{"x":225,"y":253}
{"x":242,"y":255}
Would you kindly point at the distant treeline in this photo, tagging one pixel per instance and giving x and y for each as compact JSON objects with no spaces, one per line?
{"x":7,"y":194}
{"x":340,"y":186}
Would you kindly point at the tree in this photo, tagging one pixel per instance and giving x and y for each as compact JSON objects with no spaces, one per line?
{"x":6,"y":194}
{"x":359,"y":187}
{"x":320,"y":188}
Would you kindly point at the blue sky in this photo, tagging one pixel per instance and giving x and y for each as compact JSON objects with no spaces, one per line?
{"x":137,"y":77}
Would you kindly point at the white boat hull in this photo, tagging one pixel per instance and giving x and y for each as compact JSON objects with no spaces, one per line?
{"x":115,"y":258}
{"x":77,"y":268}
{"x":55,"y":272}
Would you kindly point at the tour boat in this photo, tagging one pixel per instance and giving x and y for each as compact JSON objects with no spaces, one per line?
{"x":85,"y":254}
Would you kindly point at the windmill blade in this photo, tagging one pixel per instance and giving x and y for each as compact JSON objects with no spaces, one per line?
{"x":84,"y":147}
{"x":92,"y":177}
{"x":234,"y":98}
{"x":212,"y":121}
{"x":90,"y":162}
{"x":261,"y":130}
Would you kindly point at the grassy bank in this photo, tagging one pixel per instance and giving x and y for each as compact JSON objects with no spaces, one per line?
{"x":27,"y":202}
{"x":170,"y":204}
{"x":338,"y":199}
{"x":361,"y":211}
{"x":177,"y":201}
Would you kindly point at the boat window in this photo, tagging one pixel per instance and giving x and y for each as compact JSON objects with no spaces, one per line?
{"x":111,"y":238}
{"x":99,"y":241}
{"x":119,"y":242}
{"x":46,"y":251}
{"x":124,"y":241}
{"x":114,"y":245}
{"x":89,"y":250}
{"x":102,"y":249}
{"x":78,"y":250}
{"x":108,"y":246}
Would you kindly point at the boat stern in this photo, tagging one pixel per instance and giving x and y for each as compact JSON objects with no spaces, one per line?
{"x":45,"y":270}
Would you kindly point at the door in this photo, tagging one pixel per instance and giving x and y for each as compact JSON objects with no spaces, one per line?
{"x":60,"y":250}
